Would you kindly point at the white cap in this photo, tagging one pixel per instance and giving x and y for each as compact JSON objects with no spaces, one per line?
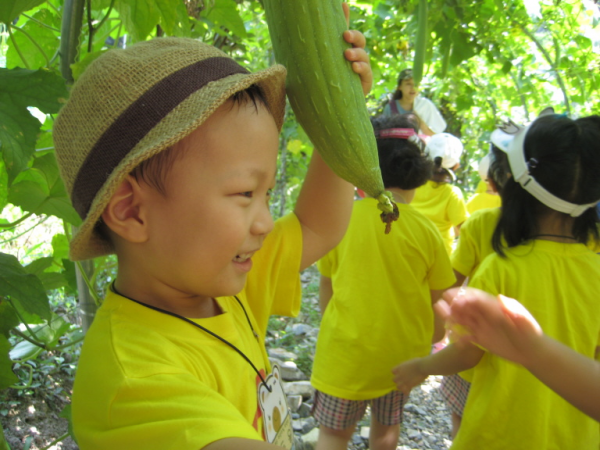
{"x":512,"y":143}
{"x":446,"y":146}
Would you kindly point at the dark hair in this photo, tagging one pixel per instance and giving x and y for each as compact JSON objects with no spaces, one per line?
{"x":440,"y":174}
{"x":403,"y":163}
{"x":499,"y":168}
{"x":568,"y":165}
{"x":154,"y":170}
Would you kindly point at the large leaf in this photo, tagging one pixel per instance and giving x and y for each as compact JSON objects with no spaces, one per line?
{"x":10,"y":9}
{"x":139,"y":16}
{"x":173,"y":18}
{"x":8,"y":318}
{"x":41,"y":190}
{"x":18,"y":130}
{"x":225,"y":14}
{"x":7,"y":376}
{"x":3,"y":185}
{"x":20,"y":88}
{"x":35,"y":54}
{"x":23,"y":288}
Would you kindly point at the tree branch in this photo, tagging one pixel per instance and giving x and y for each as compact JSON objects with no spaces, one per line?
{"x":552,"y":65}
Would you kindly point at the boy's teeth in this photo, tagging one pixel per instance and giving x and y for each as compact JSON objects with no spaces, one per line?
{"x":242,"y":257}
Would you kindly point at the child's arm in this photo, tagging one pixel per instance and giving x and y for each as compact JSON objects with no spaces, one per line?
{"x":505,"y":327}
{"x":239,"y":443}
{"x":325,"y":292}
{"x":439,"y":329}
{"x":325,"y":201}
{"x":452,"y":359}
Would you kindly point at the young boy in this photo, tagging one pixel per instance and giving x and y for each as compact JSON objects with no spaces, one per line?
{"x":169,"y":150}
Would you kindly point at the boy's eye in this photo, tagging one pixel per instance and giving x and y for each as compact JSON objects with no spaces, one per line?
{"x":247,"y":194}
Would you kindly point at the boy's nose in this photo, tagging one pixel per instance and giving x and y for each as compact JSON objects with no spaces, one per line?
{"x":263,"y":223}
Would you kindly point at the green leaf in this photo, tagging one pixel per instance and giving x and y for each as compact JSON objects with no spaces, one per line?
{"x":225,"y":14}
{"x":139,"y":16}
{"x":173,"y":18}
{"x":10,"y":9}
{"x":18,"y":130}
{"x":40,"y":190}
{"x":8,"y":317}
{"x":38,"y":266}
{"x":36,"y":55}
{"x":70,"y":274}
{"x":462,"y":49}
{"x":507,"y":66}
{"x":60,"y":247}
{"x":23,"y":288}
{"x":3,"y":186}
{"x":7,"y":376}
{"x":25,"y":350}
{"x":44,"y":89}
{"x":20,"y":88}
{"x":53,"y":280}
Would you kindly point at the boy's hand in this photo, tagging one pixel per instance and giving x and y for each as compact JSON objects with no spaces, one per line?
{"x":408,"y":375}
{"x":357,"y":55}
{"x":501,"y":325}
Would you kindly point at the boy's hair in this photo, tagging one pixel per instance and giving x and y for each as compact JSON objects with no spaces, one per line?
{"x":130,"y":105}
{"x":402,"y":161}
{"x":564,"y":157}
{"x":154,"y":171}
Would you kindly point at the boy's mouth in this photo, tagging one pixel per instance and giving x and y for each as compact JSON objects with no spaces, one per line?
{"x":242,"y":257}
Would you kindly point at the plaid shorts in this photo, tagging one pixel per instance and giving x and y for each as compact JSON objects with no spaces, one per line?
{"x":454,"y":390}
{"x":338,"y":413}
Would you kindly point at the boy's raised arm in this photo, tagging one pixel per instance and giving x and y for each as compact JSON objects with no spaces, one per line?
{"x":324,"y":205}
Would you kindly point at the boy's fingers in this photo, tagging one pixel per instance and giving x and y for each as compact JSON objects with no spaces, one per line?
{"x":442,"y":308}
{"x":346,"y":10}
{"x":356,"y":38}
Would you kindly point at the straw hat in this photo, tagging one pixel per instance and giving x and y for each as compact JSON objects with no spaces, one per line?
{"x":131,"y":104}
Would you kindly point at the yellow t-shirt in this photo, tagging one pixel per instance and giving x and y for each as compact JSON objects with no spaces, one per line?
{"x":444,"y":205}
{"x":507,"y":407}
{"x":481,"y":187}
{"x":149,"y":380}
{"x":380,"y":313}
{"x":475,"y":241}
{"x":483,"y":200}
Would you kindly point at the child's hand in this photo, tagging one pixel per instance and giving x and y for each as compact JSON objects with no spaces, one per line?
{"x":502,"y":326}
{"x":408,"y":375}
{"x":357,"y":55}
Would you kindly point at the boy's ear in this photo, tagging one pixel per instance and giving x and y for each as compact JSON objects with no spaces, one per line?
{"x":124,"y":214}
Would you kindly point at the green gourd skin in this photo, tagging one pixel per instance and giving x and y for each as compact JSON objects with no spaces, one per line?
{"x":324,"y":92}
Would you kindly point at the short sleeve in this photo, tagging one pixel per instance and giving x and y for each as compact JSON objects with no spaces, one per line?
{"x":465,"y":256}
{"x":457,"y":210}
{"x":273,"y":285}
{"x":325,"y":265}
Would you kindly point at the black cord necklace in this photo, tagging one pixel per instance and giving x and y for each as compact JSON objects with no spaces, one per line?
{"x":555,"y":236}
{"x":191,"y":322}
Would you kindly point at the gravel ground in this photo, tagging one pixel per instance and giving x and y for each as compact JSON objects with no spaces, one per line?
{"x":426,"y":421}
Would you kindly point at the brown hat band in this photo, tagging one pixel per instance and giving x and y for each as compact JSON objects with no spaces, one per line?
{"x":137,"y":121}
